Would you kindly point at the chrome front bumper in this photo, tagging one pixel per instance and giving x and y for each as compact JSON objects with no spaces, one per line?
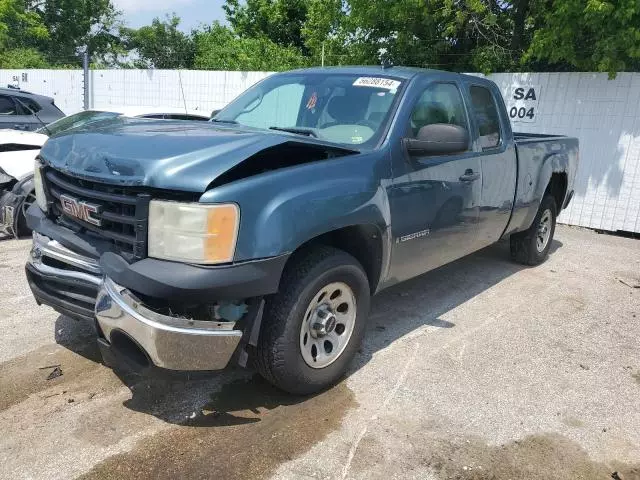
{"x":168,"y":342}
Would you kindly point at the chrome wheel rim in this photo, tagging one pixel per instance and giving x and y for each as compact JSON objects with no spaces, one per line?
{"x":327,"y":325}
{"x":544,"y":231}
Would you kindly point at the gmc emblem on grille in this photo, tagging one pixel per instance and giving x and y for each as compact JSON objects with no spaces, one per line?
{"x":81,"y":209}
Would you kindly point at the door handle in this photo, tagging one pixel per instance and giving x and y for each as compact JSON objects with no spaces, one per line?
{"x":469,"y":176}
{"x":20,"y":126}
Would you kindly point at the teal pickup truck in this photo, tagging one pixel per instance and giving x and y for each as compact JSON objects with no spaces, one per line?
{"x":260,"y":236}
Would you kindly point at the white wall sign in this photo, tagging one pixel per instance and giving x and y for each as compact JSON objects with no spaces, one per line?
{"x":522,"y":103}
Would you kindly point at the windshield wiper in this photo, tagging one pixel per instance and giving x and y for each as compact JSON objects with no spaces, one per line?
{"x":220,"y":120}
{"x":309,"y":132}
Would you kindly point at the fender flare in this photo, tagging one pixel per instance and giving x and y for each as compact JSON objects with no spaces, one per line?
{"x":553,"y":163}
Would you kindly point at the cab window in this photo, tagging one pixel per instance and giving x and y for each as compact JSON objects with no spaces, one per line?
{"x":439,"y":103}
{"x":485,"y":112}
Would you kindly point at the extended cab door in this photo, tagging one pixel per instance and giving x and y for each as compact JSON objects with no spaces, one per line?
{"x":497,"y":155}
{"x":434,"y":198}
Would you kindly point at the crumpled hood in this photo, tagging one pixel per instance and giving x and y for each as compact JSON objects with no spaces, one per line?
{"x":175,"y":155}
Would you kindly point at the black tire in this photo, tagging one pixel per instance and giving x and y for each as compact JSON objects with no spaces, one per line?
{"x":21,"y":228}
{"x":524,"y":245}
{"x":278,"y":357}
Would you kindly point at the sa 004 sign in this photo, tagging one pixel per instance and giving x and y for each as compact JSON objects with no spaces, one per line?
{"x":523,"y":103}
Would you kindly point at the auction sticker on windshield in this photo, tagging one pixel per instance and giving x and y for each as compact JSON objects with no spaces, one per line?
{"x":377,"y":82}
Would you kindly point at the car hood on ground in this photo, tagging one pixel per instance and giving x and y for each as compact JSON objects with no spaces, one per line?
{"x":179,"y":155}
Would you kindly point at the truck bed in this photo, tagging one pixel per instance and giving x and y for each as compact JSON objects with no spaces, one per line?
{"x":539,"y":157}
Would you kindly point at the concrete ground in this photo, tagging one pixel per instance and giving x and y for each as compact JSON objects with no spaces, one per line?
{"x":480,"y":370}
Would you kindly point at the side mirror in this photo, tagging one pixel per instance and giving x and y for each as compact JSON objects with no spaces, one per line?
{"x":215,"y":112}
{"x":438,"y":139}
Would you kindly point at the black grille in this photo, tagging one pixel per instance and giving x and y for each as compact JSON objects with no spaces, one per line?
{"x":123,"y":211}
{"x":70,"y":297}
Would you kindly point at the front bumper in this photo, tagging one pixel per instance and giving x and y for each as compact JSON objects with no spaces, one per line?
{"x":169,"y":342}
{"x":76,"y":285}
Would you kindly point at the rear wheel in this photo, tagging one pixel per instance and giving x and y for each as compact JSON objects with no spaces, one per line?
{"x":531,"y":247}
{"x":314,"y":325}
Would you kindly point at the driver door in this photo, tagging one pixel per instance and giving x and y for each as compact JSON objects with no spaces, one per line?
{"x":435,"y":198}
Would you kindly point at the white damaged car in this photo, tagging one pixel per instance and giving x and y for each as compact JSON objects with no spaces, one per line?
{"x":19,"y":149}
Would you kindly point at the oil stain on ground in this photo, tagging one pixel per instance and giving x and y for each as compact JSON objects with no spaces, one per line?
{"x":245,"y":431}
{"x":536,"y":457}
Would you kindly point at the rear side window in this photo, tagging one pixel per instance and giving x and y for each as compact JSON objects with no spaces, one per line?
{"x":30,"y":106}
{"x":487,"y":118}
{"x":7,"y":106}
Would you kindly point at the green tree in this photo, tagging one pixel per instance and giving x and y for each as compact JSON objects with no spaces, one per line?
{"x":280,"y":21}
{"x":23,"y":58}
{"x":587,"y":35}
{"x":218,"y":48}
{"x":161,"y":44}
{"x":74,"y":24}
{"x":453,"y":34}
{"x":20,"y":27}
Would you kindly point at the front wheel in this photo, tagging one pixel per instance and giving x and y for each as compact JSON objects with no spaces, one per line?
{"x":313,"y":326}
{"x":531,"y":247}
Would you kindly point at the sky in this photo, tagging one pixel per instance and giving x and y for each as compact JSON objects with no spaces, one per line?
{"x":137,"y":13}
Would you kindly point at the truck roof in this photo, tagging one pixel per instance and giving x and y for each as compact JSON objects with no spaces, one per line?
{"x":405,"y":73}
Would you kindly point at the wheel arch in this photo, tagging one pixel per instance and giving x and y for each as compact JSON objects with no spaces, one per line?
{"x":367,"y":243}
{"x":557,"y":188}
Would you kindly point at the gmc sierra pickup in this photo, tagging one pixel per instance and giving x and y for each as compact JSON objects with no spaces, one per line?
{"x":260,"y":237}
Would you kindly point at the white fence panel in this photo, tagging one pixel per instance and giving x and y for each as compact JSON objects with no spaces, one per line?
{"x":197,"y":90}
{"x":65,"y":86}
{"x":605,"y":116}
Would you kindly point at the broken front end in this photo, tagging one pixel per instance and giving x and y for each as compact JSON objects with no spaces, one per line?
{"x":90,"y":261}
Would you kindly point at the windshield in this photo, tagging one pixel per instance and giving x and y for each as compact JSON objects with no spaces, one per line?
{"x":74,"y":121}
{"x":340,"y":108}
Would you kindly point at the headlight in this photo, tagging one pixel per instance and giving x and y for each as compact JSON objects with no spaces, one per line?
{"x":193,"y":232}
{"x":41,"y":198}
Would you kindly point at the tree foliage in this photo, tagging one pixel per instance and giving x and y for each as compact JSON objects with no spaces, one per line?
{"x":160,"y":45}
{"x":460,"y":35}
{"x":23,"y":58}
{"x":280,"y":21}
{"x":592,"y":35}
{"x":53,"y":32}
{"x":77,"y":24}
{"x":20,"y":26}
{"x":217,"y":47}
